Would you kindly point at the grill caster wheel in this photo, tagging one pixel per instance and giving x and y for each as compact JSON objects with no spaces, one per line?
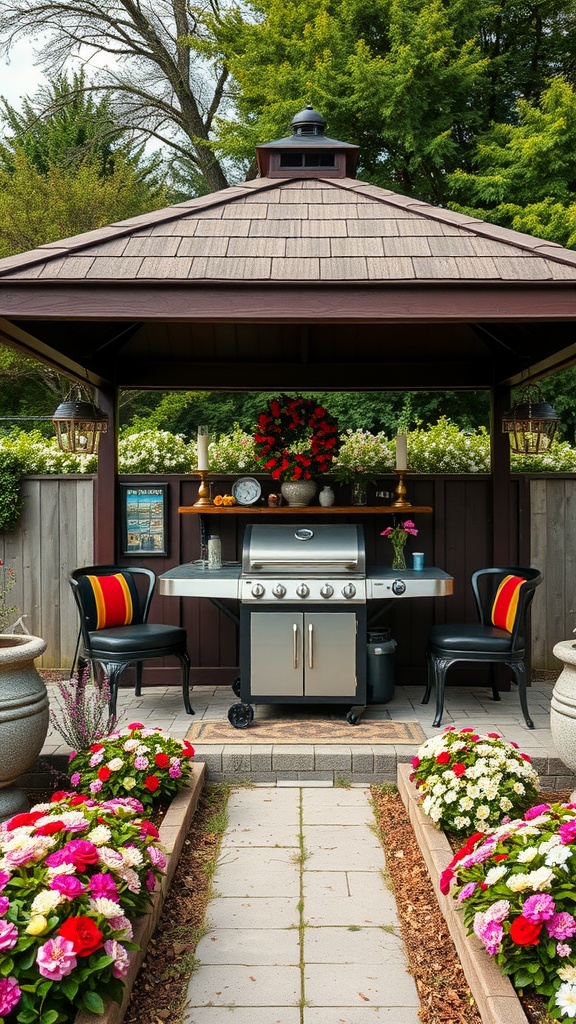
{"x":236,"y":687}
{"x":240,"y":715}
{"x":351,"y":718}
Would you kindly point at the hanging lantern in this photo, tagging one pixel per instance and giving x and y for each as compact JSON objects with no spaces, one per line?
{"x":531,"y":423}
{"x":79,"y":422}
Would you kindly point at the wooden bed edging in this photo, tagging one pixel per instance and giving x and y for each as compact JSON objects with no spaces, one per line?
{"x":172,"y":834}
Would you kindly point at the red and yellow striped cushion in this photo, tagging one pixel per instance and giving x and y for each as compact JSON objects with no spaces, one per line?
{"x":113,"y":600}
{"x":506,"y":602}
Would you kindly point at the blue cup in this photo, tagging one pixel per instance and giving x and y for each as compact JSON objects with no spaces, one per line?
{"x":418,"y":560}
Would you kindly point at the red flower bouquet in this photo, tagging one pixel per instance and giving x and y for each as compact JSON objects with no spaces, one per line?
{"x":296,"y":439}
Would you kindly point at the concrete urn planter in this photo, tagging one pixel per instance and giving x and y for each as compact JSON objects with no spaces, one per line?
{"x":298,"y":492}
{"x":24,"y":715}
{"x":563,"y":706}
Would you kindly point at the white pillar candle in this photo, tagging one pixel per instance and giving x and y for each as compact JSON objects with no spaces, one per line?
{"x":203,"y":439}
{"x":401,"y":452}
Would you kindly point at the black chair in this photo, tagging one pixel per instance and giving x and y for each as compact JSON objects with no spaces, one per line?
{"x":114,"y":601}
{"x":503,"y":597}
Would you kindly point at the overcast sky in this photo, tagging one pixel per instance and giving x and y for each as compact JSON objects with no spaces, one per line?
{"x":20,"y":77}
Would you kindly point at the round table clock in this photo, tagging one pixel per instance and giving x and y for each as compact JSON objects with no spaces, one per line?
{"x":246,"y":490}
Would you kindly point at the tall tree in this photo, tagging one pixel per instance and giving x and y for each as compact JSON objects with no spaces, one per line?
{"x":153,"y":60}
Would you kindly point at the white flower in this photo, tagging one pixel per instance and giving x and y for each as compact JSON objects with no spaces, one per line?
{"x":105,"y":907}
{"x":519,"y":788}
{"x":115,"y":764}
{"x":567,"y":973}
{"x":565,"y":999}
{"x":525,"y":856}
{"x":541,"y":878}
{"x":131,"y":856}
{"x":482,"y":812}
{"x":495,"y":874}
{"x":131,"y":745}
{"x":129,"y":782}
{"x":465,"y":803}
{"x":45,"y":901}
{"x":505,"y":804}
{"x":559,"y":855}
{"x":462,"y":822}
{"x":99,"y":835}
{"x":518,"y":882}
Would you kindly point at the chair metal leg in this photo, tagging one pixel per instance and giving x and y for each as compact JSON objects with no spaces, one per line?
{"x":440,"y":669}
{"x":185,"y":663}
{"x":429,"y":678}
{"x":519,"y":670}
{"x":113,"y":670}
{"x":494,"y":681}
{"x":138,"y":690}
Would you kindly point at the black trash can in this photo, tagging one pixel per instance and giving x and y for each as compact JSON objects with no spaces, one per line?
{"x":380,"y":666}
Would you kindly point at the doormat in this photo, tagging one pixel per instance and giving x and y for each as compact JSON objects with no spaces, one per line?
{"x":305,"y":730}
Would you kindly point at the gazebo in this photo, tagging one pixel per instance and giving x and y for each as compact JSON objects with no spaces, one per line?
{"x":304,"y":278}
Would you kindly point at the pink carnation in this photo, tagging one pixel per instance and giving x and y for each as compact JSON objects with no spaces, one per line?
{"x":9,"y":995}
{"x":563,"y":950}
{"x":539,"y":907}
{"x":8,"y":935}
{"x":104,"y":885}
{"x":535,"y":812}
{"x":56,"y":958}
{"x":119,"y":955}
{"x":567,"y":832}
{"x":489,"y":932}
{"x":561,"y":926}
{"x":68,"y":885}
{"x":4,"y":879}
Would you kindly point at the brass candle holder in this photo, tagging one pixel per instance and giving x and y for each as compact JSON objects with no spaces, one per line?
{"x":400,"y":491}
{"x":203,"y":490}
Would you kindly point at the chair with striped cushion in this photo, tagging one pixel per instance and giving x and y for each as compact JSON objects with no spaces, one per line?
{"x":114,"y":602}
{"x":503,"y":597}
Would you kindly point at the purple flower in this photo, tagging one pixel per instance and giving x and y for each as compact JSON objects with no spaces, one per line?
{"x":8,"y":935}
{"x":561,"y":926}
{"x":175,"y":771}
{"x":150,"y":881}
{"x":95,"y":786}
{"x":9,"y":995}
{"x":539,"y":907}
{"x":119,"y":955}
{"x":157,"y":858}
{"x":75,"y":778}
{"x":141,"y":763}
{"x":466,"y":891}
{"x":490,"y":933}
{"x":4,"y":904}
{"x":68,"y":885}
{"x":56,"y":958}
{"x":96,"y":758}
{"x":498,"y":911}
{"x":103,"y":885}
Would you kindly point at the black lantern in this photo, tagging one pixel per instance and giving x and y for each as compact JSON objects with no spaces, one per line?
{"x":79,"y":422}
{"x":531,"y":423}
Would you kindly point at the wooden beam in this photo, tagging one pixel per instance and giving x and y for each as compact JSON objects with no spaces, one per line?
{"x":500,"y":469}
{"x":106,"y":491}
{"x":250,"y":376}
{"x":560,"y":360}
{"x":333,"y":302}
{"x":15,"y":337}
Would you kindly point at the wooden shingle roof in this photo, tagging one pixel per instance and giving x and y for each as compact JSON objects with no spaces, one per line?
{"x":290,"y":230}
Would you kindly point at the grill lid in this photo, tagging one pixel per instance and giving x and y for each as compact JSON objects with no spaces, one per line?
{"x":304,"y":549}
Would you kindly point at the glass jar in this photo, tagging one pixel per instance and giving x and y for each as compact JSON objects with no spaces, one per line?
{"x":359,"y":492}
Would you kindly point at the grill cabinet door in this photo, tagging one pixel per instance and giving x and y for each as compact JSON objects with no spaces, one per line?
{"x":330,"y":654}
{"x":276,"y":654}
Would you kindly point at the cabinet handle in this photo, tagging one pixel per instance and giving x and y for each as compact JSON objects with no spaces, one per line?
{"x":310,"y":645}
{"x":295,"y":644}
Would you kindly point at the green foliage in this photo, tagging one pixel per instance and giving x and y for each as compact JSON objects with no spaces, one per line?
{"x":12,"y":468}
{"x":38,"y":454}
{"x":233,"y":453}
{"x":363,"y":456}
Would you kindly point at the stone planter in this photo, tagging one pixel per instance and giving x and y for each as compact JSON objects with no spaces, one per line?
{"x":563,"y":706}
{"x":24,"y":715}
{"x":298,"y":492}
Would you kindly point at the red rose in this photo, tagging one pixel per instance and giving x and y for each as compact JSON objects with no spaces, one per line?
{"x":446,"y":881}
{"x":187,"y":749}
{"x":78,"y":798}
{"x":135,"y":725}
{"x":147,"y":828}
{"x":104,"y":773}
{"x":443,"y":758}
{"x":152,"y":782}
{"x":275,"y":409}
{"x":526,"y":757}
{"x":415,"y":761}
{"x":162,"y":760}
{"x":58,"y":795}
{"x":21,"y":820}
{"x":50,"y":828}
{"x":466,"y":729}
{"x":524,"y":932}
{"x":83,"y":933}
{"x":493,"y":735}
{"x":96,"y":747}
{"x":459,"y":769}
{"x":500,"y":856}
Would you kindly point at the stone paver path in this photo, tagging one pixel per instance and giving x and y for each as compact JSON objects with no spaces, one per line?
{"x":303,"y":927}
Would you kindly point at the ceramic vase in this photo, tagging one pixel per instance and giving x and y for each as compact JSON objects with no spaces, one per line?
{"x":563,"y":706}
{"x":24,"y":715}
{"x":326,"y":497}
{"x":359,"y":492}
{"x":298,"y":492}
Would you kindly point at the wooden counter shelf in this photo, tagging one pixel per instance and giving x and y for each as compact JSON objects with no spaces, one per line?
{"x":301,"y":510}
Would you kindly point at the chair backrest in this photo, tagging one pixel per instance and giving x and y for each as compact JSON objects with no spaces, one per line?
{"x":503,"y":595}
{"x":111,"y":595}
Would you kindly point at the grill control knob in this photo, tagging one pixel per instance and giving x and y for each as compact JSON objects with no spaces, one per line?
{"x":349,"y":591}
{"x":279,"y":590}
{"x":398,"y":587}
{"x":257,"y":590}
{"x":302,"y":590}
{"x":327,"y":590}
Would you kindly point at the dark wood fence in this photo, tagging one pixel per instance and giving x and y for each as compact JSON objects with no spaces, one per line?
{"x":56,"y":534}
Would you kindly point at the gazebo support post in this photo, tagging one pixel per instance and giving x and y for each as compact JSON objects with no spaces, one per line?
{"x":106,"y":496}
{"x":500,"y":468}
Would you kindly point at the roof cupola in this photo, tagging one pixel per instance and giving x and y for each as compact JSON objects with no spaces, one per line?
{"x":307,"y":152}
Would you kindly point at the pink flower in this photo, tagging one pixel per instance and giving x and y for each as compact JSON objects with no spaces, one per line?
{"x":535,"y":812}
{"x":121,"y":924}
{"x":415,"y":762}
{"x":386,"y":532}
{"x":96,"y":758}
{"x":75,"y":778}
{"x":539,"y":907}
{"x":498,"y":911}
{"x":135,"y":725}
{"x":120,"y":957}
{"x":4,"y":879}
{"x":493,"y":735}
{"x":157,"y":858}
{"x":446,"y":879}
{"x":526,"y":757}
{"x":567,"y":832}
{"x":68,"y":885}
{"x":8,"y":935}
{"x":561,"y":926}
{"x":563,"y":950}
{"x":141,"y":763}
{"x":56,"y":958}
{"x":95,"y":786}
{"x":4,"y":904}
{"x":175,"y":771}
{"x":490,"y":933}
{"x":9,"y":995}
{"x":466,"y":891}
{"x":103,"y":885}
{"x":150,"y":881}
{"x":72,"y":755}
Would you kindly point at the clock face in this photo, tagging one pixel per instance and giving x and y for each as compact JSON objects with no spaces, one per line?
{"x":246,"y":490}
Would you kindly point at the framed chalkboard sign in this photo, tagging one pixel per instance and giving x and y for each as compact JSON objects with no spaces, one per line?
{"x":144,"y":519}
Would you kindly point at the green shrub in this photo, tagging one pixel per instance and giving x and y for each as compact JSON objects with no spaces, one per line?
{"x":154,"y":451}
{"x":11,"y":472}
